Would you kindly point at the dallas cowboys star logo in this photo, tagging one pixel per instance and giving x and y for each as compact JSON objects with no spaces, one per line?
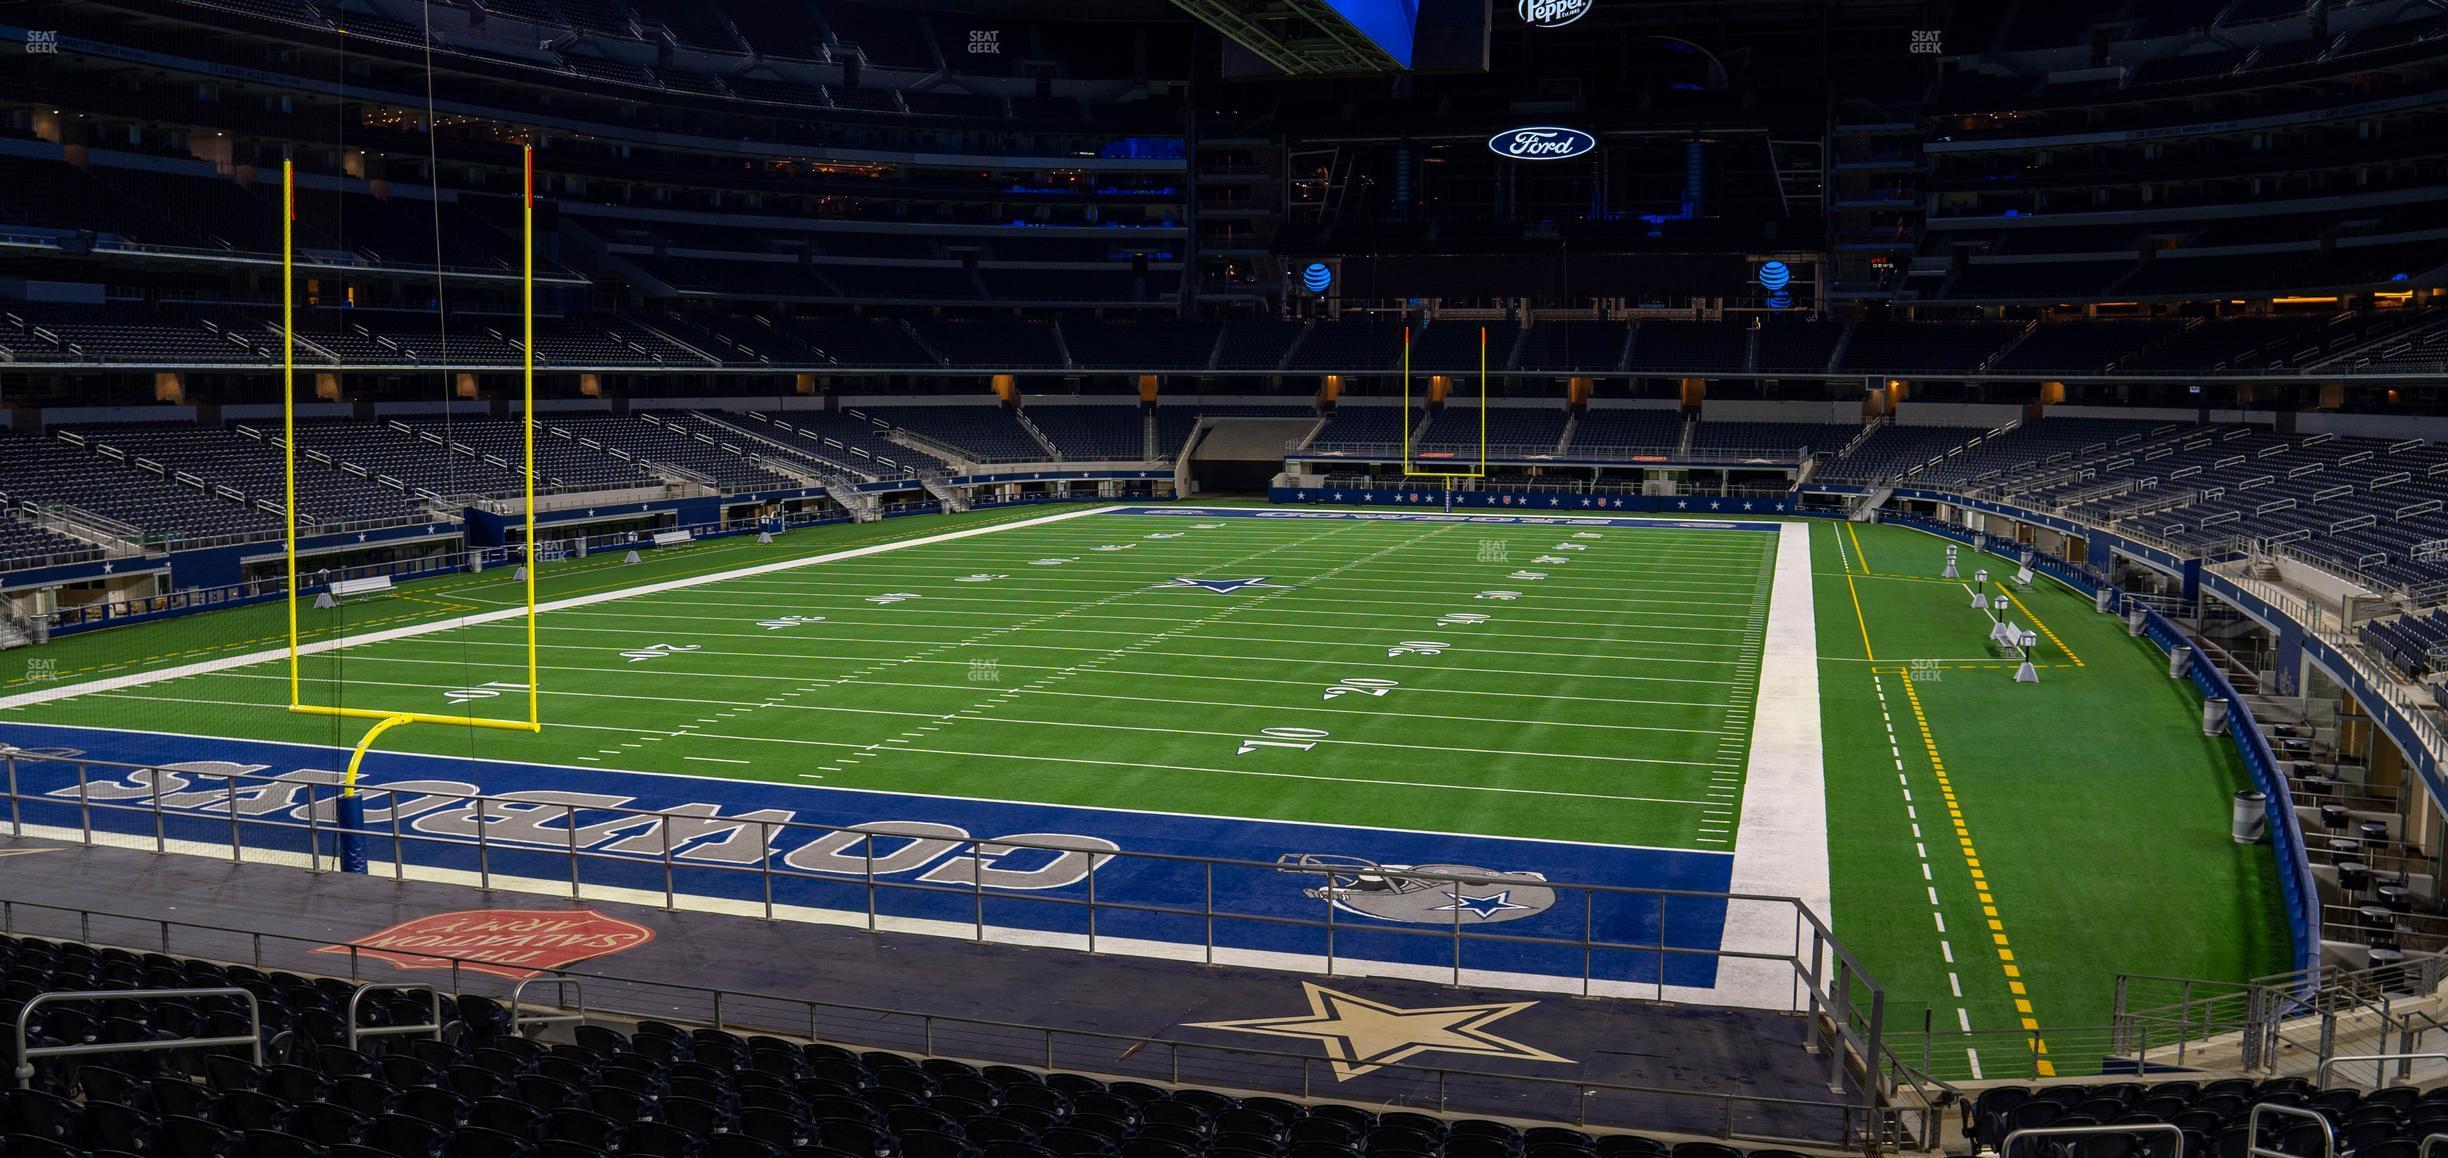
{"x":1362,"y":1036}
{"x":1480,"y":907}
{"x":1219,"y":586}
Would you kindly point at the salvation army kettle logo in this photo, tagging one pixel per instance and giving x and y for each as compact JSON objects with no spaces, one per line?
{"x":1552,"y":13}
{"x":513,"y":943}
{"x":1542,"y":143}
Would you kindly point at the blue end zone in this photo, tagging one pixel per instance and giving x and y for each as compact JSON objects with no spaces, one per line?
{"x":932,"y":867}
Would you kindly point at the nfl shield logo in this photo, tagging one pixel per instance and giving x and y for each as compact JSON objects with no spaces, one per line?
{"x":512,"y":943}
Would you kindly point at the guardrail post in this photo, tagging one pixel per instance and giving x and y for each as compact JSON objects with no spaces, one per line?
{"x":1589,"y":938}
{"x":764,"y":863}
{"x":670,"y":902}
{"x":84,"y":805}
{"x":314,"y":834}
{"x":1457,"y":955}
{"x":569,"y":816}
{"x":484,"y":849}
{"x":16,"y":821}
{"x":1874,"y":1048}
{"x":1810,"y":1016}
{"x":1330,"y":951}
{"x":229,"y":788}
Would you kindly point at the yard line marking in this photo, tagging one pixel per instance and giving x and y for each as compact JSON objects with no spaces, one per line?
{"x":115,"y":683}
{"x":1193,"y":655}
{"x":714,"y":759}
{"x":315,"y":751}
{"x":864,"y":750}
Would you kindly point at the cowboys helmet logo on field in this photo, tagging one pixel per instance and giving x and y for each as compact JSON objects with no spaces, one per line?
{"x":1430,"y":894}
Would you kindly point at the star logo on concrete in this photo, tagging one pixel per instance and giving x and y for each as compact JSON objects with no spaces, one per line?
{"x":1362,"y":1036}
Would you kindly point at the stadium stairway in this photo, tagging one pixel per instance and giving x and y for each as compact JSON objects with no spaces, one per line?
{"x":944,"y":492}
{"x":1053,"y":452}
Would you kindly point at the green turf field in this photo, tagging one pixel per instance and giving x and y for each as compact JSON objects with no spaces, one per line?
{"x":1059,"y":664}
{"x":2095,"y":810}
{"x":1998,"y":853}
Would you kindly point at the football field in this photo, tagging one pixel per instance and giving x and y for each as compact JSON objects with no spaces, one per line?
{"x":1541,"y":700}
{"x":1238,"y":733}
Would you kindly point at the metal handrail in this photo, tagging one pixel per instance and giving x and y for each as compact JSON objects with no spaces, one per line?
{"x":365,"y":987}
{"x":1128,"y":1045}
{"x":25,"y":1017}
{"x":1812,"y":936}
{"x":2006,"y":1146}
{"x":562,"y":986}
{"x":2320,"y":1076}
{"x":2252,"y":1138}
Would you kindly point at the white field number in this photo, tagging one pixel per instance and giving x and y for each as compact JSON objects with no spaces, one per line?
{"x":658,"y":650}
{"x":1297,"y":739}
{"x":488,"y":690}
{"x":1359,"y":686}
{"x":1418,"y":647}
{"x":782,"y":621}
{"x":1462,"y":619}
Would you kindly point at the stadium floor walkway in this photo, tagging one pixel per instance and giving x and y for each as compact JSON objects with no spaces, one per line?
{"x":1124,"y":1016}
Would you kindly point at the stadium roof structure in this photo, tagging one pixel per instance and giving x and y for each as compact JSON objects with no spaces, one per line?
{"x":1316,"y":37}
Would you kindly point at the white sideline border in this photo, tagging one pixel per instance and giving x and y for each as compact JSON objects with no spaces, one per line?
{"x":207,"y":667}
{"x":1781,"y":839}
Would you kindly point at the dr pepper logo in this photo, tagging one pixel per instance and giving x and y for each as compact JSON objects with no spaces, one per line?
{"x":513,"y":943}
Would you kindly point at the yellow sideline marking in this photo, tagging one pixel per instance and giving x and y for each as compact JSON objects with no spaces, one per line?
{"x":2044,"y":629}
{"x":1980,"y":883}
{"x":1858,"y":553}
{"x":1858,"y":619}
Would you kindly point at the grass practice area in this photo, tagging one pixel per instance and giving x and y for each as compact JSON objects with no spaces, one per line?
{"x":1998,"y":852}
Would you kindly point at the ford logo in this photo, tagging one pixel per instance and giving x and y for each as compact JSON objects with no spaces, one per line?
{"x":1542,"y":143}
{"x":1552,"y":13}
